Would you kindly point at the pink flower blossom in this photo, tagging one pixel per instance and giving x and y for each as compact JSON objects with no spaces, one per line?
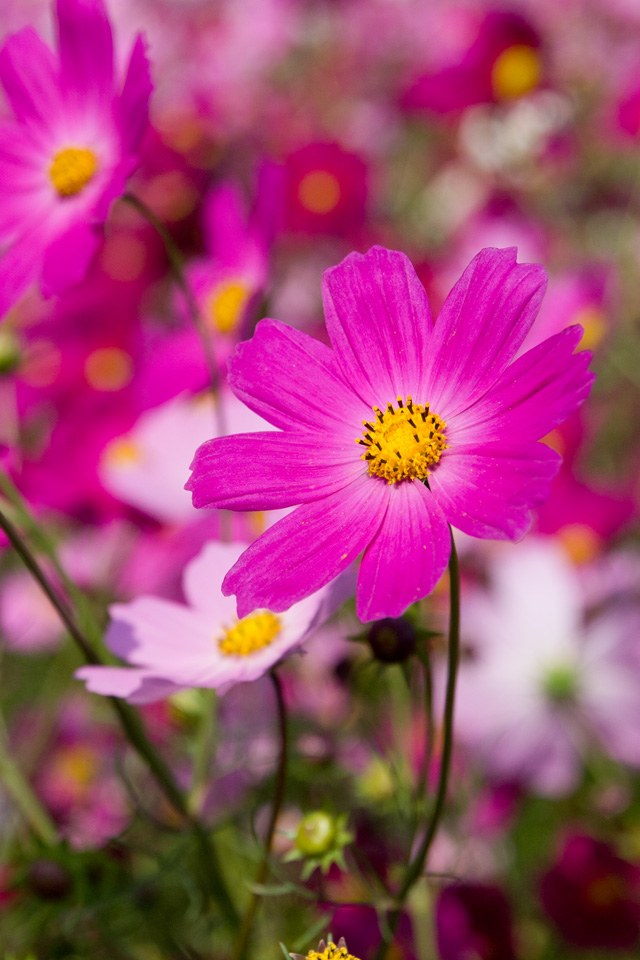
{"x":69,"y":151}
{"x":202,"y":644}
{"x":398,"y":401}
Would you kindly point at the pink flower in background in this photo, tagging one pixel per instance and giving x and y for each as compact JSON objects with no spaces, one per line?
{"x":202,"y":644}
{"x":70,"y":150}
{"x":542,"y":687}
{"x":398,"y":401}
{"x":326,"y":190}
{"x":503,"y":62}
{"x":474,"y":920}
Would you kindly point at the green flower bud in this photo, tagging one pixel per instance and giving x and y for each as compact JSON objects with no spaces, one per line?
{"x":316,"y":834}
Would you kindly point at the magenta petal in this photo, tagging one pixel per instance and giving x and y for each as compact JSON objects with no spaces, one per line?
{"x":534,"y":394}
{"x":86,"y":52}
{"x":482,"y":324}
{"x":19,"y":268}
{"x":308,"y":548}
{"x":293,"y":381}
{"x":28,"y":74}
{"x":487,"y":490}
{"x":136,"y":684}
{"x":67,"y":258}
{"x":133,"y":103}
{"x":267,"y":471}
{"x":224,"y":224}
{"x":379,"y":323}
{"x":406,"y":558}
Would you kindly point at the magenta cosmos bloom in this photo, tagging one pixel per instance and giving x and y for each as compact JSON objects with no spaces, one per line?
{"x":401,"y":429}
{"x":69,"y":152}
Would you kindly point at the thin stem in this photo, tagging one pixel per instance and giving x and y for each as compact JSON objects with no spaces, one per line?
{"x":278,"y":797}
{"x":18,"y":787}
{"x":133,"y":729}
{"x":177,"y":266}
{"x":423,"y":773}
{"x":204,"y":749}
{"x":416,"y":866}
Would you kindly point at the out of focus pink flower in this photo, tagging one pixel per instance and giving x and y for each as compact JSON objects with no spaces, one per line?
{"x":172,"y":646}
{"x":504,"y":62}
{"x":70,"y":150}
{"x":473,"y":920}
{"x":593,"y":896}
{"x":326,"y":190}
{"x":541,"y":686}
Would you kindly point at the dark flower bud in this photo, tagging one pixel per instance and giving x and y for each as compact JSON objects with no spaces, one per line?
{"x":392,"y":640}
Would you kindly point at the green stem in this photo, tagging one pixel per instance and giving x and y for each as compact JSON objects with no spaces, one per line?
{"x":18,"y":787}
{"x":425,"y":766}
{"x":134,"y":731}
{"x":177,"y":266}
{"x":416,"y":865}
{"x":204,"y":749}
{"x":278,"y":796}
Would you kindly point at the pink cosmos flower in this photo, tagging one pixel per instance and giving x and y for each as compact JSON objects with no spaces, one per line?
{"x":202,"y":644}
{"x":404,"y":427}
{"x":69,"y":152}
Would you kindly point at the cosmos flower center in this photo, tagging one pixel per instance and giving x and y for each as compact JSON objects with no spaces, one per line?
{"x":404,"y":442}
{"x":225,"y":305}
{"x":251,"y":633}
{"x":109,"y":369}
{"x":515,"y":72}
{"x":330,"y":951}
{"x":319,"y":191}
{"x":72,"y":169}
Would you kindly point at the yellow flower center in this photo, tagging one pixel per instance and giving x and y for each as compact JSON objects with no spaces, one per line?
{"x":226,"y":304}
{"x":108,"y":369}
{"x":331,"y":951}
{"x":403,"y":443}
{"x":250,"y":634}
{"x":72,"y":169}
{"x":515,"y":72}
{"x":123,"y":452}
{"x":319,"y":191}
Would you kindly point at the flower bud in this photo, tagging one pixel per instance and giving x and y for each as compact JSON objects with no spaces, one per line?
{"x":392,"y":640}
{"x":49,"y":879}
{"x":316,"y":834}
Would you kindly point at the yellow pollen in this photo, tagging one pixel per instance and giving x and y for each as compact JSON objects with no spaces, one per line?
{"x":72,"y":169}
{"x":403,"y":443}
{"x":226,"y":304}
{"x":515,"y":72}
{"x":251,"y":633}
{"x":319,"y":191}
{"x":331,"y":952}
{"x":108,"y":369}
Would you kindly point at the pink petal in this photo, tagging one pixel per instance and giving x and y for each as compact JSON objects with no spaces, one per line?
{"x":150,"y":632}
{"x":133,"y":103}
{"x":293,"y":381}
{"x":308,"y":548}
{"x":19,"y":268}
{"x":379,"y":323}
{"x":407,"y":556}
{"x":225,"y":224}
{"x":28,"y":73}
{"x":135,"y":684}
{"x":86,"y":52}
{"x":268,"y":471}
{"x":487,"y":490}
{"x":534,"y":394}
{"x":484,"y":320}
{"x":68,"y":258}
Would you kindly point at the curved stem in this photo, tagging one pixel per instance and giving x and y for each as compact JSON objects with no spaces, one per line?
{"x":278,"y":796}
{"x":177,"y":267}
{"x":416,"y":865}
{"x":133,"y":729}
{"x":18,"y":787}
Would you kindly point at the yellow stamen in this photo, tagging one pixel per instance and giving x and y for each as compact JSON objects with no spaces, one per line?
{"x":123,"y":453}
{"x":319,"y":191}
{"x":250,"y":634}
{"x":72,"y":169}
{"x":109,"y":369}
{"x":331,"y":952}
{"x":516,"y":72}
{"x":226,"y":304}
{"x":402,"y":444}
